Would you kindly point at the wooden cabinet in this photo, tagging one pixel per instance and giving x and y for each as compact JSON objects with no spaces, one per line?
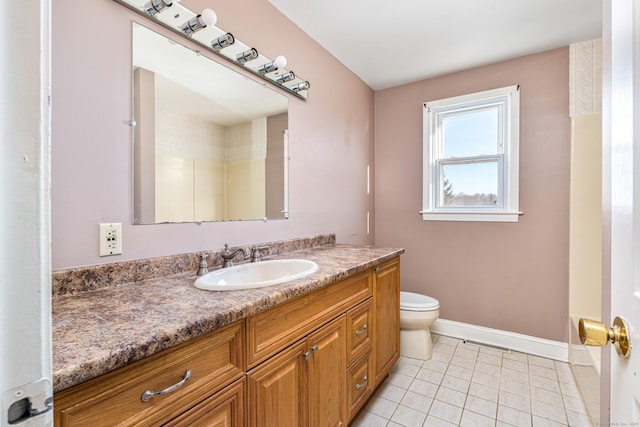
{"x":327,"y":364}
{"x":386,"y":319}
{"x":304,"y":384}
{"x":312,"y":361}
{"x":277,"y":390}
{"x":213,"y":360}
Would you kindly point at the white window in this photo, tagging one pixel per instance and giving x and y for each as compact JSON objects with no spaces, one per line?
{"x":470,"y":157}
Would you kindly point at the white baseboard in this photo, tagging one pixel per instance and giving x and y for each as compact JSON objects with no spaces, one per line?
{"x":495,"y":337}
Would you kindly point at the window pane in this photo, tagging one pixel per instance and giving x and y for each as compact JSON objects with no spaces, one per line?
{"x":470,"y":184}
{"x":471,"y":133}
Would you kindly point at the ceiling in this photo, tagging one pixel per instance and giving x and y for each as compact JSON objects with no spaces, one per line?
{"x":389,"y":43}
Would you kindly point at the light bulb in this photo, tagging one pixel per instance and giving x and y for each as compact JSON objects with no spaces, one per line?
{"x":206,"y":17}
{"x":279,"y":62}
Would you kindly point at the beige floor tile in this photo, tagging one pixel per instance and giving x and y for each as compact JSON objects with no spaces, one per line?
{"x":369,"y":419}
{"x":446,"y":411}
{"x":481,"y":406}
{"x":472,"y":419}
{"x":424,"y":388}
{"x":408,"y":417}
{"x":514,"y":417}
{"x":417,"y":401}
{"x":455,"y":383}
{"x":464,"y":384}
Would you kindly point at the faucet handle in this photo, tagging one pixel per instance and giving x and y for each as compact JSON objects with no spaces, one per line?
{"x":203,"y":267}
{"x":255,"y":252}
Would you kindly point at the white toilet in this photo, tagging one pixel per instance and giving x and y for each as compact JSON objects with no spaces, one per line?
{"x":417,"y":314}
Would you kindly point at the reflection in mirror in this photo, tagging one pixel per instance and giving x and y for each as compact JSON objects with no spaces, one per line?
{"x":209,"y":143}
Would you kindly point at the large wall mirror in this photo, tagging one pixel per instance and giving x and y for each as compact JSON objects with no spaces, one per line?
{"x":210,"y":144}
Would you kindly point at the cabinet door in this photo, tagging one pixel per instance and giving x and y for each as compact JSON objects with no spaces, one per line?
{"x":386,"y":296}
{"x":223,"y":409}
{"x":327,"y":366}
{"x":277,"y":390}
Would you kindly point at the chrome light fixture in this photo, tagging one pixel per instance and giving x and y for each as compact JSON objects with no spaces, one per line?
{"x":301,"y":86}
{"x":280,"y":79}
{"x":222,"y":42}
{"x":274,"y":71}
{"x":279,"y":62}
{"x":207,"y":17}
{"x":247,"y":55}
{"x":154,"y":7}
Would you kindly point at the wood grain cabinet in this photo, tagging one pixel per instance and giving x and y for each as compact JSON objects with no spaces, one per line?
{"x":386,"y":319}
{"x":203,"y":366}
{"x":312,"y":361}
{"x":304,"y":384}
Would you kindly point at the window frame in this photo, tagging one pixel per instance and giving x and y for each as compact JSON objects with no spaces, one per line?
{"x":507,"y":208}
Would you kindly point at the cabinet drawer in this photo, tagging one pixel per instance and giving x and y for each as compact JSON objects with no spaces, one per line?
{"x":359,"y":384}
{"x":223,"y":409}
{"x":358,"y":325}
{"x":214,"y":359}
{"x":272,"y":330}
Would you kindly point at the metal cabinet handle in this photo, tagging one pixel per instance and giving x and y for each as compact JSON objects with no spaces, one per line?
{"x":307,"y":355}
{"x":147,"y":395}
{"x":314,"y":349}
{"x":364,"y":383}
{"x":361,"y":331}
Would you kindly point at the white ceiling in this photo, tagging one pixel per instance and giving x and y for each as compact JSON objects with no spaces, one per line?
{"x":389,"y":43}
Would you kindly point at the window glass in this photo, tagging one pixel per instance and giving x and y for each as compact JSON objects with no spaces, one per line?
{"x":471,"y":133}
{"x":470,"y":184}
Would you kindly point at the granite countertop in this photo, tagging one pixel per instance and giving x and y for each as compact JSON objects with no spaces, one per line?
{"x":98,"y":331}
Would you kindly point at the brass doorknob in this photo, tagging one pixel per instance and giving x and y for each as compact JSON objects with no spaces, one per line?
{"x":596,"y":333}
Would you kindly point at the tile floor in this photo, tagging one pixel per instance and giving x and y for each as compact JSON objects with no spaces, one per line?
{"x":470,"y":385}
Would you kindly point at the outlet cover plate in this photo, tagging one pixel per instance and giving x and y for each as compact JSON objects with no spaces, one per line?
{"x":110,"y":236}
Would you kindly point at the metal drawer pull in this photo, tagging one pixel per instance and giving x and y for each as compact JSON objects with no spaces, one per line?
{"x":147,"y":395}
{"x":307,"y":355}
{"x":364,"y":383}
{"x":314,"y":349}
{"x":361,"y":331}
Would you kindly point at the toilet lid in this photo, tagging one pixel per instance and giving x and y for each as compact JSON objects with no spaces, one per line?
{"x":417,"y":302}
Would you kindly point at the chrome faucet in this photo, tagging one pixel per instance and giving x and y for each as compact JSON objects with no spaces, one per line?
{"x":228,"y":255}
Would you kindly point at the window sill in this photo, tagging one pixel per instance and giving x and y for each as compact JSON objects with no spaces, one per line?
{"x":471,"y":216}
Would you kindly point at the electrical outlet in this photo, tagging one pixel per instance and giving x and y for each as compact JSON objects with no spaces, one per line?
{"x":110,"y":239}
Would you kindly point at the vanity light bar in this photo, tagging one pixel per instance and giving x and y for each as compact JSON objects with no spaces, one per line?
{"x":218,"y":40}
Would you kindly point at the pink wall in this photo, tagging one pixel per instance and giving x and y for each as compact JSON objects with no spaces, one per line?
{"x":331,"y":137}
{"x":507,"y":276}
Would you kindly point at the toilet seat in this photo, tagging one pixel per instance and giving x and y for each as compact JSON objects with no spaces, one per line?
{"x":411,"y":301}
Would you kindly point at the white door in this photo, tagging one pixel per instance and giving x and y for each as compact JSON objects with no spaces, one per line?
{"x":25,"y":268}
{"x":621,"y":206}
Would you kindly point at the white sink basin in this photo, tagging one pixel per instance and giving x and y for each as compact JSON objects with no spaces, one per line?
{"x":256,"y":275}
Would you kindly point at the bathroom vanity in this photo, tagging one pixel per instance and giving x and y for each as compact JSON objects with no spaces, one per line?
{"x":309,"y":352}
